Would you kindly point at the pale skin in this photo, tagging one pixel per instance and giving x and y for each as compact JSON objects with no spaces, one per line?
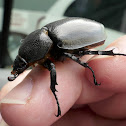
{"x":82,"y":103}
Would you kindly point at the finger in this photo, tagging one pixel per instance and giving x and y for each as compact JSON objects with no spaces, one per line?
{"x":113,"y":107}
{"x":7,"y":88}
{"x":84,"y":116}
{"x":10,"y":85}
{"x":90,"y":92}
{"x":110,"y":70}
{"x":40,"y":107}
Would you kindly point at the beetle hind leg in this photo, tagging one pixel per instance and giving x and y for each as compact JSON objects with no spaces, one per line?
{"x":76,"y":59}
{"x":109,"y":52}
{"x":51,"y":67}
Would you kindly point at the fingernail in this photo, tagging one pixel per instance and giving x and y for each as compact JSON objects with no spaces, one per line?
{"x":0,"y":117}
{"x":3,"y":123}
{"x":20,"y":94}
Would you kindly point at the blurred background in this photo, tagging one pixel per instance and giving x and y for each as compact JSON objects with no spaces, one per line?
{"x":18,"y":18}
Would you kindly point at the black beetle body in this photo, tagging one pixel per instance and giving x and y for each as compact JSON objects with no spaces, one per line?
{"x":70,"y":37}
{"x":75,"y":33}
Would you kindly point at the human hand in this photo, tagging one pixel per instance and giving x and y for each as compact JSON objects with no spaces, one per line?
{"x":81,"y":102}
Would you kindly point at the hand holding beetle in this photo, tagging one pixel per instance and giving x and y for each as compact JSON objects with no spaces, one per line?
{"x":106,"y":100}
{"x":69,"y":37}
{"x":74,"y":87}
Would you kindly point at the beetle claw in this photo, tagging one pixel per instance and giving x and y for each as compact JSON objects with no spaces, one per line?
{"x":13,"y":78}
{"x":59,"y":113}
{"x":97,"y":84}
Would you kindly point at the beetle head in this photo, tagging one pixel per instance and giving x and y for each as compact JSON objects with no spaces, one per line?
{"x":18,"y":67}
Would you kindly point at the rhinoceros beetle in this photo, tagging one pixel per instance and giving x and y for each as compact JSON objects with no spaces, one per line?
{"x":69,"y":37}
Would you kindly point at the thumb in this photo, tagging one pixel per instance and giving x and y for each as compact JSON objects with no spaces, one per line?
{"x":31,"y":103}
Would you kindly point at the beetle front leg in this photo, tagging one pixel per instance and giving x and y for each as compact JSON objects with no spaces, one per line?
{"x":51,"y":67}
{"x":90,"y":52}
{"x":76,"y":59}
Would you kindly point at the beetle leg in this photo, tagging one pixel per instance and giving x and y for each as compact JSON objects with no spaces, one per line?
{"x":109,"y":52}
{"x":51,"y":67}
{"x":76,"y":59}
